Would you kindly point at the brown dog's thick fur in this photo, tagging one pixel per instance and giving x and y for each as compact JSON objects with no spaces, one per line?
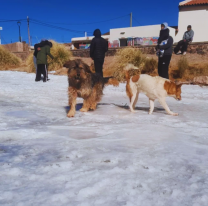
{"x":85,"y":84}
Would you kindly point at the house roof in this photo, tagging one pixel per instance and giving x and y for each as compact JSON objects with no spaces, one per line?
{"x":193,"y":2}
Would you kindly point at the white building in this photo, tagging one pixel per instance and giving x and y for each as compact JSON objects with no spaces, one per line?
{"x":194,"y":13}
{"x":76,"y":42}
{"x":121,"y":36}
{"x":191,"y":12}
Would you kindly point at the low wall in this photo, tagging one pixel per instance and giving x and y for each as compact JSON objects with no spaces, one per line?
{"x":17,"y":47}
{"x":198,"y":48}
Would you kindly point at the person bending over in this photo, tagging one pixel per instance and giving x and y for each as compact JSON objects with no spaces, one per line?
{"x":43,"y":52}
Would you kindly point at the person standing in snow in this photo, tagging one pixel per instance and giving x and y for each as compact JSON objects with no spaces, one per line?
{"x":164,"y":51}
{"x":183,"y":44}
{"x":43,"y":52}
{"x":36,"y":48}
{"x":98,"y":48}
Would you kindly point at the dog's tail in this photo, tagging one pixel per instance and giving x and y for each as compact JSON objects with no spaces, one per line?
{"x":111,"y":81}
{"x":128,"y":77}
{"x":127,"y":68}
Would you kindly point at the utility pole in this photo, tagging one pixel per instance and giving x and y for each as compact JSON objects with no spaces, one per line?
{"x":131,"y":19}
{"x":28,"y":26}
{"x":0,"y":34}
{"x":19,"y":24}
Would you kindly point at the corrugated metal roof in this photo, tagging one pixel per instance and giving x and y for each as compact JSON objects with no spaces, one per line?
{"x":194,"y":2}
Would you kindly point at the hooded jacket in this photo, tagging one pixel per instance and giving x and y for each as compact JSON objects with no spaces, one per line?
{"x":99,"y":46}
{"x":188,"y":35}
{"x":43,"y":53}
{"x":168,"y":48}
{"x":164,"y":34}
{"x":41,"y":44}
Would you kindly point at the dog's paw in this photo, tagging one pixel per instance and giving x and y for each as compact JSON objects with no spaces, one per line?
{"x":70,"y":114}
{"x":83,"y":110}
{"x":175,"y":114}
{"x":150,"y":113}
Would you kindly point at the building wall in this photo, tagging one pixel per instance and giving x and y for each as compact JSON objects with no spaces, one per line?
{"x":197,"y":17}
{"x":141,"y":31}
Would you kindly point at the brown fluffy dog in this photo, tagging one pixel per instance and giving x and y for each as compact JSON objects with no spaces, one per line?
{"x":83,"y":83}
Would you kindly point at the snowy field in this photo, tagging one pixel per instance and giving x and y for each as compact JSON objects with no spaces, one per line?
{"x":109,"y":157}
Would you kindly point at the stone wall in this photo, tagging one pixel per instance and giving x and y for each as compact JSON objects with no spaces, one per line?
{"x":17,"y":47}
{"x":20,"y":49}
{"x":198,"y":48}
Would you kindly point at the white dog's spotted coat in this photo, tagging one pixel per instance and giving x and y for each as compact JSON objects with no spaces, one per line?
{"x":154,"y":88}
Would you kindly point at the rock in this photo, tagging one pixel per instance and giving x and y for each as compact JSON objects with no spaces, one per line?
{"x":201,"y":80}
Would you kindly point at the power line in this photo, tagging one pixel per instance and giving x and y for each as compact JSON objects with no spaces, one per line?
{"x":84,"y":23}
{"x":136,"y":21}
{"x":4,"y":20}
{"x":56,"y":27}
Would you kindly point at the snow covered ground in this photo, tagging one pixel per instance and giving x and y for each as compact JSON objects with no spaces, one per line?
{"x":109,"y":157}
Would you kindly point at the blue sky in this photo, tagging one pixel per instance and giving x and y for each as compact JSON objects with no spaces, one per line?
{"x":73,"y":15}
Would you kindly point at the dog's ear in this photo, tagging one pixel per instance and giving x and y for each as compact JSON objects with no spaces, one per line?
{"x":68,"y":64}
{"x":85,"y":67}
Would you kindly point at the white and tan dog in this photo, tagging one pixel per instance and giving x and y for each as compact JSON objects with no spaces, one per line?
{"x":153,"y":87}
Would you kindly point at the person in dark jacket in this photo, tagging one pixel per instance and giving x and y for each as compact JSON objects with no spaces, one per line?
{"x":37,"y":48}
{"x":164,"y":59}
{"x":183,"y":44}
{"x":164,"y":33}
{"x":42,"y":60}
{"x":98,"y":48}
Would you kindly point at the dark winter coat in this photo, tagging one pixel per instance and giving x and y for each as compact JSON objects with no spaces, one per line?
{"x":99,"y":46}
{"x":41,"y":44}
{"x":164,"y":34}
{"x":42,"y":55}
{"x":168,"y":48}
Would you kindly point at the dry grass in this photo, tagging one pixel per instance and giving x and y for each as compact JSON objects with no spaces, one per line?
{"x":183,"y":67}
{"x":150,"y":67}
{"x":60,"y":53}
{"x":8,"y":60}
{"x":188,"y":71}
{"x":131,"y":56}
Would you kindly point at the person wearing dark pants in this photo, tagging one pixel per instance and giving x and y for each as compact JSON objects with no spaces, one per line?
{"x":98,"y":63}
{"x":182,"y":45}
{"x":163,"y":66}
{"x":42,"y":61}
{"x":164,"y":60}
{"x":98,"y":48}
{"x":41,"y":69}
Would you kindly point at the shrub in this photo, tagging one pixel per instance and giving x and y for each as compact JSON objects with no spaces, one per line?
{"x":131,"y":56}
{"x":183,"y":67}
{"x":8,"y":59}
{"x":150,"y":66}
{"x":60,"y":53}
